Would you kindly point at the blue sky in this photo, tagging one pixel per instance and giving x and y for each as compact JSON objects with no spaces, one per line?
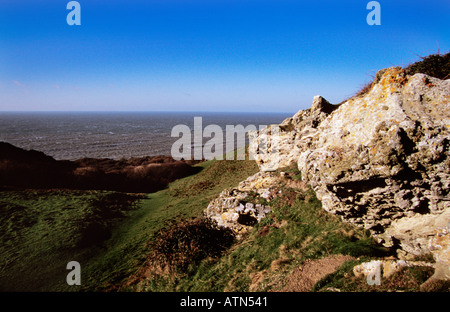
{"x":215,"y":55}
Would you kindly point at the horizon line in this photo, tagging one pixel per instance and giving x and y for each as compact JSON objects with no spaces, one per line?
{"x":139,"y":111}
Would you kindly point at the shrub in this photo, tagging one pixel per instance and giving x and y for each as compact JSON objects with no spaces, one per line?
{"x":188,"y":242}
{"x":435,"y":65}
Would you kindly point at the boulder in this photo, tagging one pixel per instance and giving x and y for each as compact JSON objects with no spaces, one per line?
{"x":242,"y":207}
{"x":385,"y":268}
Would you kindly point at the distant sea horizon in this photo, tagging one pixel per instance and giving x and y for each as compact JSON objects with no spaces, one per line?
{"x":71,"y":135}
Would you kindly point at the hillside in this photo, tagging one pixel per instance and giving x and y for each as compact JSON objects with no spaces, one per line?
{"x":353,"y":189}
{"x":107,"y":232}
{"x":379,"y":166}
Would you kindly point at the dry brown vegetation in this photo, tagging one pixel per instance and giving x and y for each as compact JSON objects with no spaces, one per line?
{"x":31,"y":169}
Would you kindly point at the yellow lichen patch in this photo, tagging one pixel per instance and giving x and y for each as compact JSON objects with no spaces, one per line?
{"x":392,"y":76}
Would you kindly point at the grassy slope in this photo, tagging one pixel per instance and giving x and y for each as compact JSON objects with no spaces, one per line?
{"x":293,"y":232}
{"x":298,"y":229}
{"x":41,"y":231}
{"x":61,"y":226}
{"x":183,"y":199}
{"x":107,"y":232}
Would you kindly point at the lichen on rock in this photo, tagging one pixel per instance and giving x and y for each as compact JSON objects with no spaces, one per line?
{"x":293,"y":136}
{"x":241,"y":207}
{"x":380,"y":160}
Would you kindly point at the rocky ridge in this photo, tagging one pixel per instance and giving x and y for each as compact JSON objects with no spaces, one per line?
{"x":379,"y":160}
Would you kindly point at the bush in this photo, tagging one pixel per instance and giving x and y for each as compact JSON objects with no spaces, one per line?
{"x":435,"y":65}
{"x":188,"y":242}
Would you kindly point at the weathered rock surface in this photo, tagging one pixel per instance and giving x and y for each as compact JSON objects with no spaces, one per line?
{"x":278,"y":146}
{"x":379,"y":160}
{"x":242,"y":207}
{"x":385,"y":268}
{"x":439,"y":244}
{"x":440,"y":247}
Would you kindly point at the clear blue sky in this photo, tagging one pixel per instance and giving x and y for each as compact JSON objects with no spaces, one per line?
{"x":214,"y":55}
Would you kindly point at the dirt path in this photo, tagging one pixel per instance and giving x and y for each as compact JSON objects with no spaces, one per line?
{"x":304,"y":277}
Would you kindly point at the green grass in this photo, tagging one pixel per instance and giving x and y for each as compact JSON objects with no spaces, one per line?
{"x":108,"y":233}
{"x":291,"y":234}
{"x":112,"y":235}
{"x":41,"y":231}
{"x":182,"y":200}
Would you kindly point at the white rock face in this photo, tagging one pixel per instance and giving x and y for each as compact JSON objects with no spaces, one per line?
{"x":385,"y":268}
{"x":278,"y":146}
{"x":380,"y":160}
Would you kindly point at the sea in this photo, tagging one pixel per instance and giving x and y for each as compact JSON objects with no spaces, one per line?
{"x":115,"y":135}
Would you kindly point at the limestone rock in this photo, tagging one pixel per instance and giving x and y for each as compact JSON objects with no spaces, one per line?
{"x":278,"y":146}
{"x":385,"y":156}
{"x":440,"y":247}
{"x":380,"y":160}
{"x":385,"y":268}
{"x":240,"y":208}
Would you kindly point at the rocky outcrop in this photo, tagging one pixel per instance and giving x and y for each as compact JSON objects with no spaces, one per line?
{"x":242,"y":207}
{"x":278,"y":146}
{"x":380,"y":160}
{"x":439,"y":245}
